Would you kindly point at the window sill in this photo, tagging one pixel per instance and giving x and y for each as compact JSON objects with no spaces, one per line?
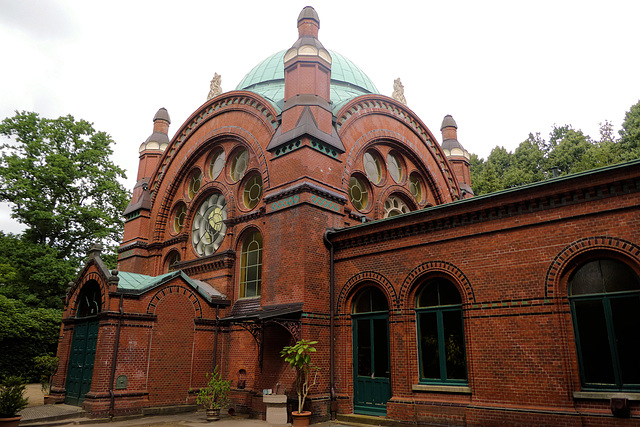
{"x":605,"y":395}
{"x":460,"y":389}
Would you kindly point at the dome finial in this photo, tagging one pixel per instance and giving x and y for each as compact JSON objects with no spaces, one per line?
{"x":308,"y":22}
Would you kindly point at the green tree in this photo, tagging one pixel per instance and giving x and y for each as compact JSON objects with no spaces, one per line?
{"x":60,"y":182}
{"x":630,"y":134}
{"x":32,"y":273}
{"x":26,"y":333}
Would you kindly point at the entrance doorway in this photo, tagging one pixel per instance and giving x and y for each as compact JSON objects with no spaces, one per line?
{"x":83,"y":345}
{"x":371,"y":367}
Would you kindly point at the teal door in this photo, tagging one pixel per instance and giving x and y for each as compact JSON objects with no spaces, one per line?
{"x":371,"y":369}
{"x":83,"y":353}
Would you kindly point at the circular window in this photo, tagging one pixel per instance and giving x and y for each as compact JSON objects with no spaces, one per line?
{"x":239,"y":165}
{"x":358,"y":193}
{"x":415,"y":186}
{"x":395,"y":206}
{"x":194,"y":184}
{"x":372,"y":167}
{"x":395,"y":167}
{"x":217,"y":163}
{"x":252,"y":191}
{"x":208,"y":228}
{"x":179,"y":217}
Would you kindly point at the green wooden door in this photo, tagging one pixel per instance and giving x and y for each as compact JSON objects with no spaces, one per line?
{"x":371,"y":368}
{"x":83,"y":353}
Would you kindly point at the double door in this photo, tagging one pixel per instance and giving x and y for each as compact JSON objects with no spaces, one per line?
{"x":81,"y":359}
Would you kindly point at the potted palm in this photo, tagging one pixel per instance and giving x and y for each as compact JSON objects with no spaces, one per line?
{"x":12,"y":401}
{"x":215,"y":395}
{"x":299,"y":358}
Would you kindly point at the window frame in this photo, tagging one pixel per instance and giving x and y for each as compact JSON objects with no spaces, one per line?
{"x":439,"y":310}
{"x":605,"y":303}
{"x":242,"y":278}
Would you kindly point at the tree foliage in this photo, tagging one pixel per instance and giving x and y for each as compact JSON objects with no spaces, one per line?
{"x":60,"y":182}
{"x":26,"y":333}
{"x":32,"y":273}
{"x":566,"y":151}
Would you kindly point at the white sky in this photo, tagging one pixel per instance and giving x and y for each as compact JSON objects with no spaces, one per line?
{"x":503,"y":69}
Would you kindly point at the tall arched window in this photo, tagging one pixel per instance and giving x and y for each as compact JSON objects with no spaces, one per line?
{"x":440,"y":333}
{"x":251,"y":265}
{"x":605,"y":305}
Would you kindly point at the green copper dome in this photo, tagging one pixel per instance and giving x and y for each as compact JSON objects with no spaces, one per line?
{"x":347,"y":80}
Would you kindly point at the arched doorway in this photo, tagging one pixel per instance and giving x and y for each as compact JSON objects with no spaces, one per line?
{"x":83,"y":344}
{"x":371,"y":367}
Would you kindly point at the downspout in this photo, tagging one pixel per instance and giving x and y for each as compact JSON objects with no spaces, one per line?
{"x":215,"y":339}
{"x":115,"y":358}
{"x":332,"y":358}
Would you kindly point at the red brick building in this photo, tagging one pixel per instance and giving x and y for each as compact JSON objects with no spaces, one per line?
{"x":304,"y":204}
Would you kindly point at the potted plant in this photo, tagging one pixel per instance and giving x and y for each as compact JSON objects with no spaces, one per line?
{"x":12,"y":401}
{"x":215,"y":395}
{"x":299,"y":358}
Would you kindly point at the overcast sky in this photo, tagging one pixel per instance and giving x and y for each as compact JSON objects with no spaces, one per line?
{"x":503,"y":69}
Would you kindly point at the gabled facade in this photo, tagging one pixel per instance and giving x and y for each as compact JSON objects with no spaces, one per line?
{"x":270,"y":216}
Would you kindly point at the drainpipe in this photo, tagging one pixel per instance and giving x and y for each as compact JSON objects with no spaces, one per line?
{"x":332,"y":359}
{"x":115,"y":357}
{"x":215,"y":339}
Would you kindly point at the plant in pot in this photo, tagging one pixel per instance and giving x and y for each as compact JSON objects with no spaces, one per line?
{"x":12,"y":401}
{"x":298,"y":356}
{"x":215,"y":395}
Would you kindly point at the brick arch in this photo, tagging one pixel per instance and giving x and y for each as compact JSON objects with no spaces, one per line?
{"x":239,"y":135}
{"x":91,"y":277}
{"x":430,"y":267}
{"x":402,"y":144}
{"x":367,"y":276}
{"x":580,"y":247}
{"x":175,"y":289}
{"x":398,"y":190}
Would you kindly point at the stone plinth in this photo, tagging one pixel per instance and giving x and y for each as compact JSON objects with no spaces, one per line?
{"x":276,"y":408}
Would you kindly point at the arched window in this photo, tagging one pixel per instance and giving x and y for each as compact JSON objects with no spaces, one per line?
{"x":605,"y":305}
{"x":251,"y":265}
{"x":89,"y":300}
{"x":440,"y":333}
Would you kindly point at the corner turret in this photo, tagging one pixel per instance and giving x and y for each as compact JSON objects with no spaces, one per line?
{"x":456,"y":154}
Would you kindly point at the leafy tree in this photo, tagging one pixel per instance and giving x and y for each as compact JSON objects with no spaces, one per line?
{"x":25,"y":333}
{"x":58,"y":178}
{"x":35,"y":274}
{"x":630,"y":134}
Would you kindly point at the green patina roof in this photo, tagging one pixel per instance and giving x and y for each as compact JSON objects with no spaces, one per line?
{"x":134,"y":283}
{"x":347,"y":80}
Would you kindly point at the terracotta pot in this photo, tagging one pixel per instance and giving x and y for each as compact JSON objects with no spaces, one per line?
{"x":10,"y":422}
{"x":213,"y":414}
{"x":301,"y":419}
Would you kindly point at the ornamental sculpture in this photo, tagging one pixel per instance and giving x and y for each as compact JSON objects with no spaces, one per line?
{"x":216,"y":89}
{"x":398,"y":92}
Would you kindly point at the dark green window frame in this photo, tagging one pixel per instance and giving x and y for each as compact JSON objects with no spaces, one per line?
{"x":443,"y":317}
{"x":605,"y":302}
{"x":605,"y":323}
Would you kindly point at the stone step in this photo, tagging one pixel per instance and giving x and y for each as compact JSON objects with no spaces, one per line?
{"x":365,"y":420}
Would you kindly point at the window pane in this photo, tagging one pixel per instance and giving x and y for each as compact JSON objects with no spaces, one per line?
{"x":428,"y":296}
{"x":448,"y":293}
{"x":364,"y":348}
{"x":454,"y":345}
{"x":429,"y":353}
{"x":380,"y":348}
{"x":618,"y":277}
{"x":626,"y":323}
{"x":587,"y":280}
{"x":594,"y":342}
